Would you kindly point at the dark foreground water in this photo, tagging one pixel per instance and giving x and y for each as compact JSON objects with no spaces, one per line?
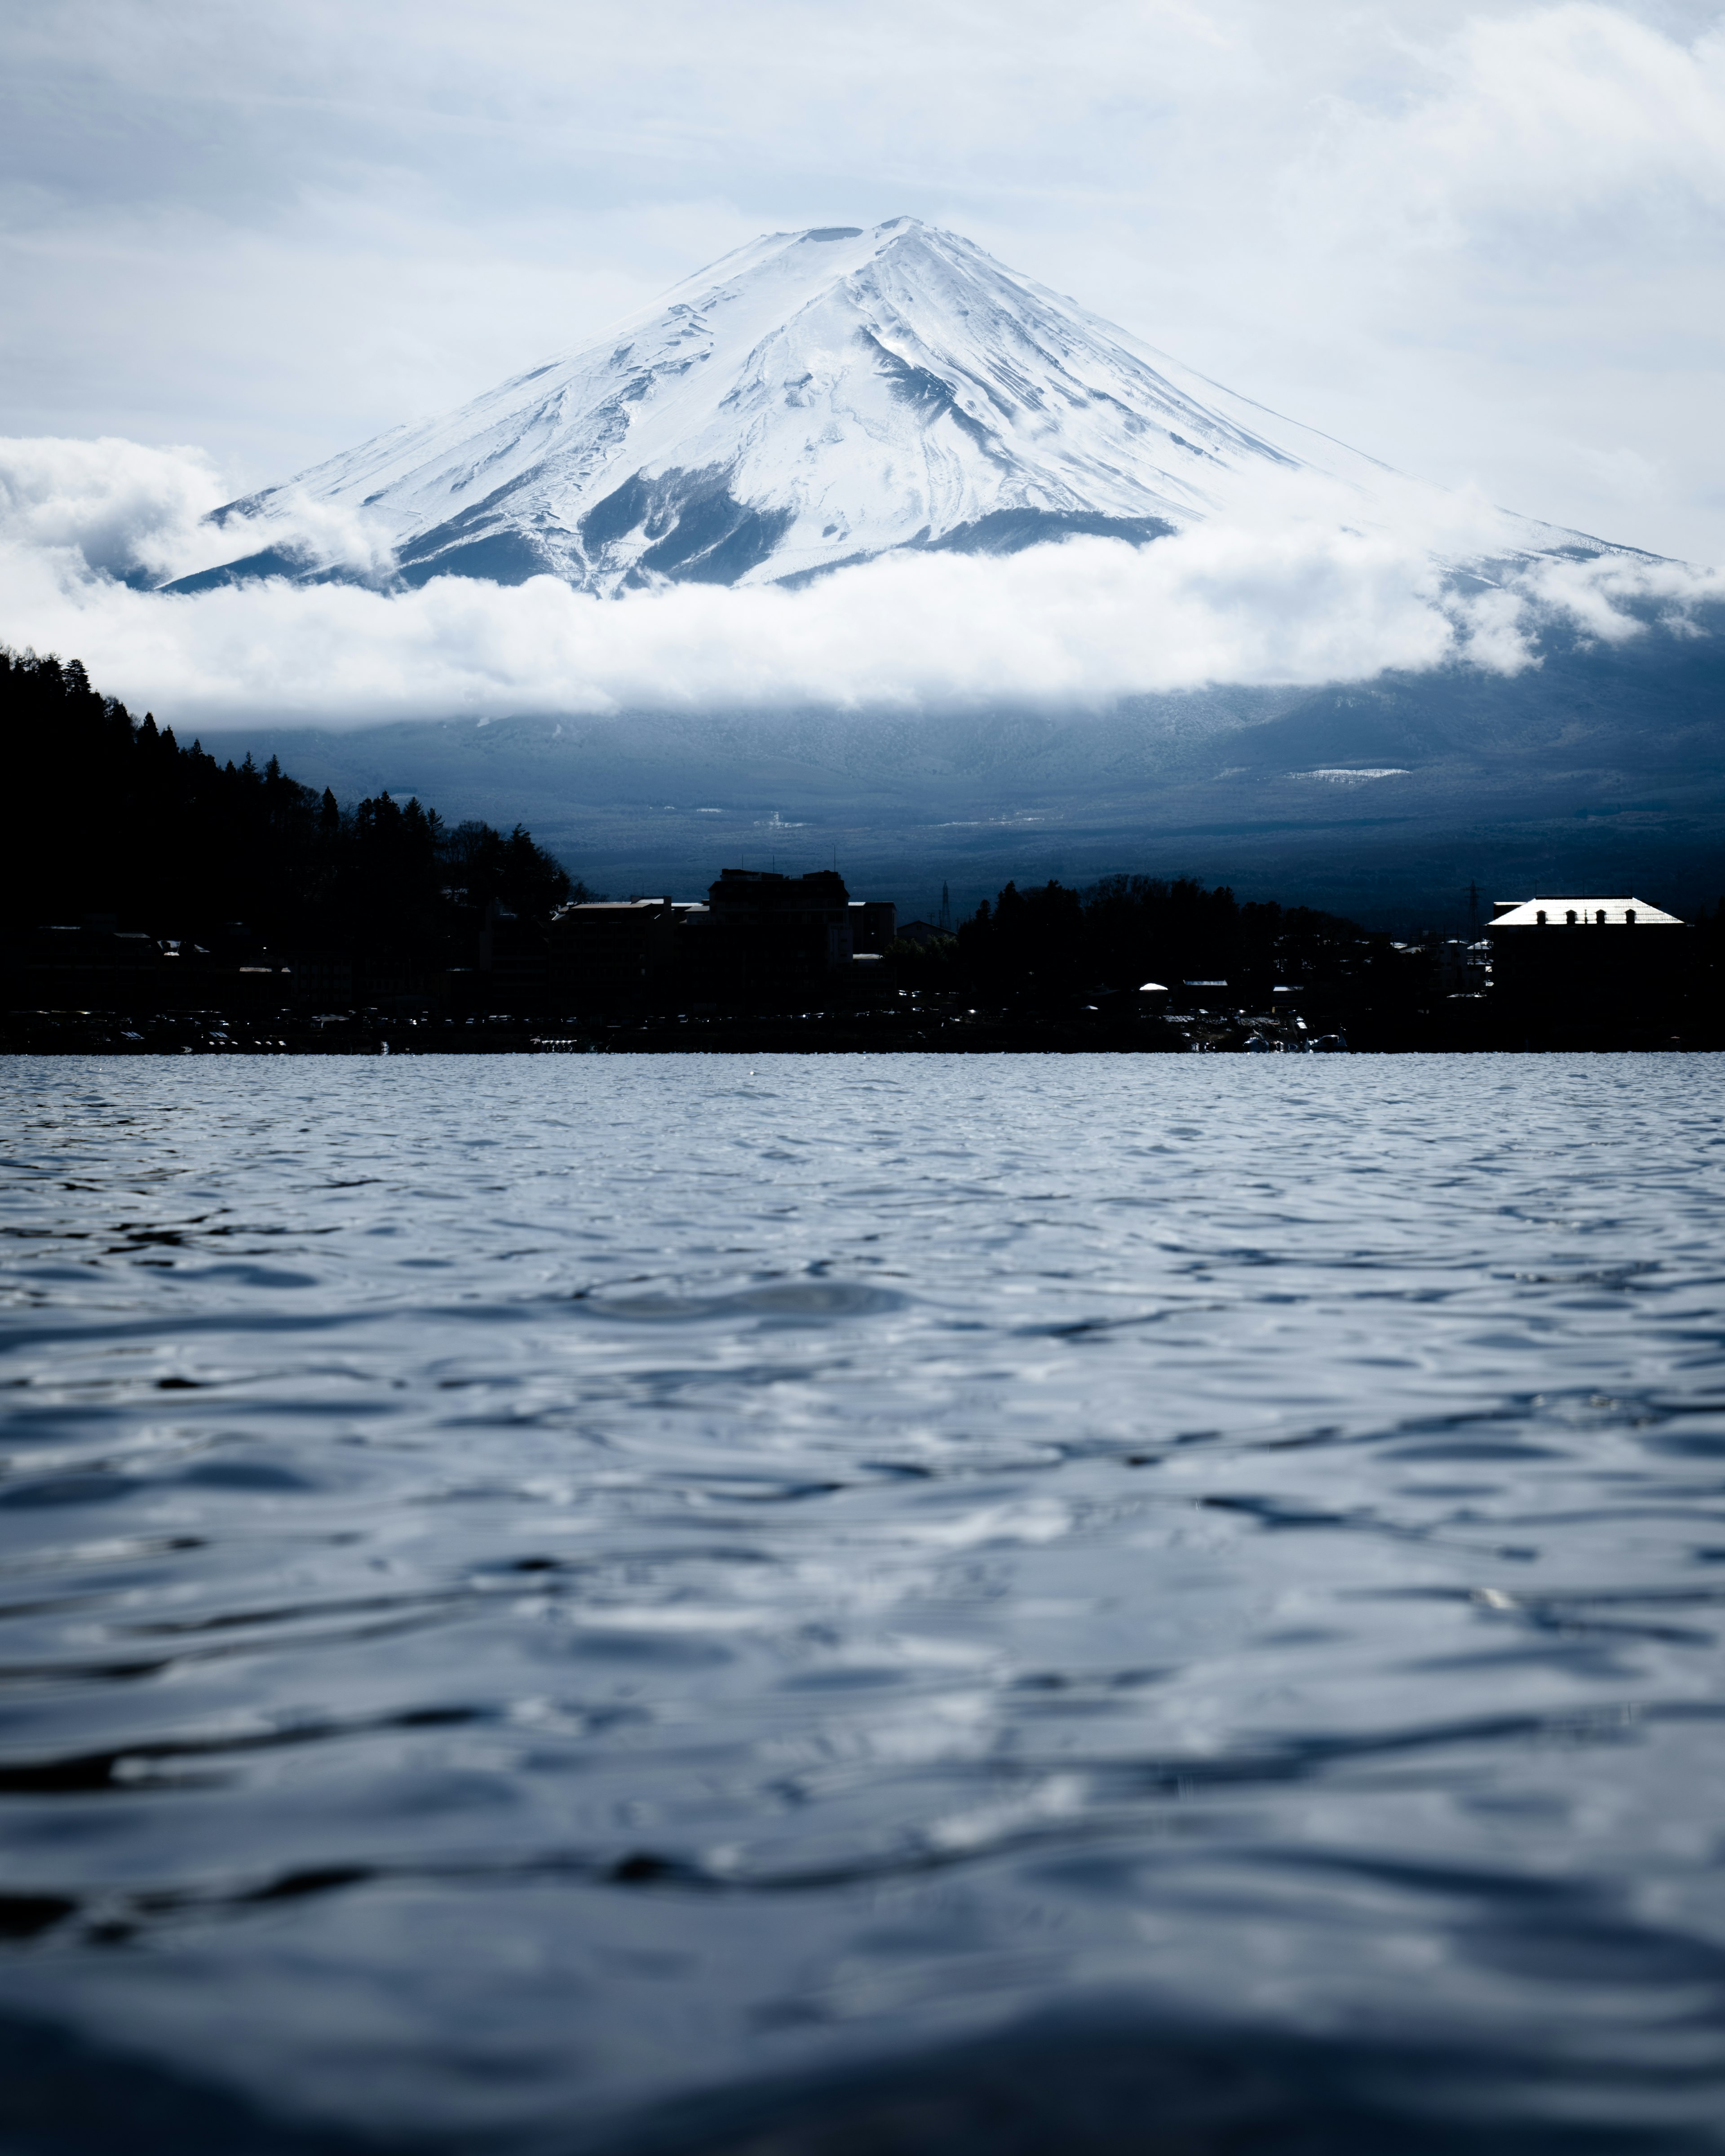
{"x":971,"y":1604}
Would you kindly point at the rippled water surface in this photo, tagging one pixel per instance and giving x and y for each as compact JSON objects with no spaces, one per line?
{"x":902,"y":1603}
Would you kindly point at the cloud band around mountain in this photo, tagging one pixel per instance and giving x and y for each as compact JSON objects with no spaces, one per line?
{"x":1293,"y":595}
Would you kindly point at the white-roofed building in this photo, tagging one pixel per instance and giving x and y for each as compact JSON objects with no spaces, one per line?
{"x":1616,"y":912}
{"x":1587,"y":952}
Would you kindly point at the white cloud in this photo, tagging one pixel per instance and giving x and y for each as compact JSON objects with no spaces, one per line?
{"x":1293,"y":594}
{"x":120,"y":507}
{"x":123,"y":510}
{"x":1561,"y":113}
{"x":300,"y":525}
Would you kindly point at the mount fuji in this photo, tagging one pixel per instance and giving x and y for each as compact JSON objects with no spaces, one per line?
{"x":813,"y":399}
{"x":823,"y":398}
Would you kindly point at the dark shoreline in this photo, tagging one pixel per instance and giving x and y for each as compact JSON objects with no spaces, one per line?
{"x":886,"y":1031}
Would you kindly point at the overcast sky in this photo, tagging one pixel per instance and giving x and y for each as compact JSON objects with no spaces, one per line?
{"x":1482,"y":242}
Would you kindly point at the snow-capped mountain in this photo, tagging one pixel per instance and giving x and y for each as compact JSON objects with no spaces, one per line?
{"x":814,"y":398}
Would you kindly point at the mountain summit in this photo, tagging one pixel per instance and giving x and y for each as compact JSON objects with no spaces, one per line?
{"x":812,"y":399}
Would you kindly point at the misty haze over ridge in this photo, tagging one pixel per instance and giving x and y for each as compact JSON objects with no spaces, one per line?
{"x":1382,"y":800}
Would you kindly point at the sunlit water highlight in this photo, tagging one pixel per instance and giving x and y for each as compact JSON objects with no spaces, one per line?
{"x":617,"y":1602}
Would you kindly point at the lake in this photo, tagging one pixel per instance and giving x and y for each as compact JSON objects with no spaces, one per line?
{"x":686,"y":1604}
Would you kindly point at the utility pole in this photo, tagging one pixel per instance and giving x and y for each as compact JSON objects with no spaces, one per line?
{"x":946,"y":919}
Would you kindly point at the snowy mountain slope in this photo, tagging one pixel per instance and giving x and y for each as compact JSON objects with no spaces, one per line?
{"x":812,"y":399}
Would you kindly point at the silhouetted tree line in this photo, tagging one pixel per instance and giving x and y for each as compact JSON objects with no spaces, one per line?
{"x":110,"y":815}
{"x":1052,"y":944}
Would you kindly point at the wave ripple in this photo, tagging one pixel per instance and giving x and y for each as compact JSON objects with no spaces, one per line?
{"x":620,"y":1604}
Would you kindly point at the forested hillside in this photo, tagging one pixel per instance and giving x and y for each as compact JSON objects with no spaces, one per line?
{"x":111,"y":815}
